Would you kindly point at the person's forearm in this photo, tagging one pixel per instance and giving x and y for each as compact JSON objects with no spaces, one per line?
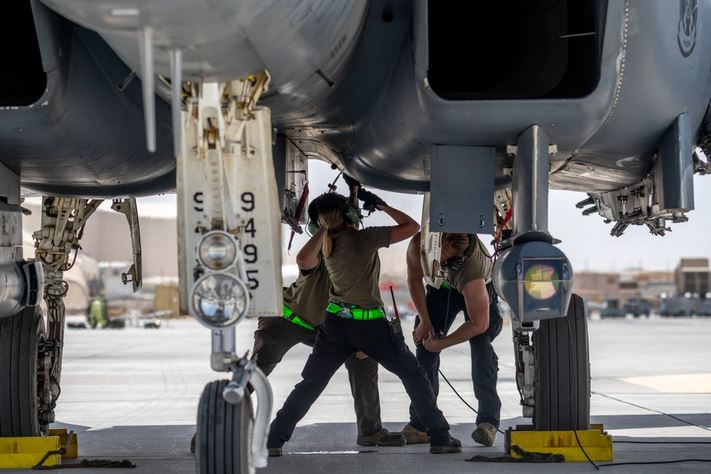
{"x":398,"y":216}
{"x":476,"y":300}
{"x":307,"y":257}
{"x":466,"y":331}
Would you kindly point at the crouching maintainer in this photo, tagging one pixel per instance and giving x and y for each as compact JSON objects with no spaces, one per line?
{"x":467,"y":289}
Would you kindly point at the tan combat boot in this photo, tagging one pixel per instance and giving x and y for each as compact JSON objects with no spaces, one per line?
{"x":414,"y":436}
{"x":381,"y":438}
{"x":485,"y":433}
{"x":448,"y":446}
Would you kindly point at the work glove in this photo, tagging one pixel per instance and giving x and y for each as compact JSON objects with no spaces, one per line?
{"x":351,"y":181}
{"x":370,"y":200}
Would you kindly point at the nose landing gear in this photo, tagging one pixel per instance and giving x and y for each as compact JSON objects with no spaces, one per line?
{"x":535,"y":278}
{"x":562,"y":377}
{"x":224,"y":432}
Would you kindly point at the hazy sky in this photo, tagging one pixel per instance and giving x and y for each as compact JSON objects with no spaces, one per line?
{"x":585,"y":239}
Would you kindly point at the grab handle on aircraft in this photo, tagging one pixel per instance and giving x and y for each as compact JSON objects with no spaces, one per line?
{"x":265,"y":401}
{"x":129,"y":208}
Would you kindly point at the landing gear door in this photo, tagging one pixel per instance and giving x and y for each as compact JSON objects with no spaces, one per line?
{"x":430,"y":248}
{"x":256,"y":205}
{"x":192,"y":187}
{"x":245,"y":192}
{"x":293,"y":166}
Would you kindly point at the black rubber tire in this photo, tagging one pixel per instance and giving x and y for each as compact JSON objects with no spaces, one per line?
{"x":562,"y":398}
{"x":224,"y":432}
{"x":20,"y":336}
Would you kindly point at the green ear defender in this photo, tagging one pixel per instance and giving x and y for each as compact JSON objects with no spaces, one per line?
{"x":331,"y":201}
{"x":352,"y":214}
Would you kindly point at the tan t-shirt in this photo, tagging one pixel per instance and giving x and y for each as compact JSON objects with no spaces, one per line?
{"x":354,"y":266}
{"x":308,"y":295}
{"x":477,"y":265}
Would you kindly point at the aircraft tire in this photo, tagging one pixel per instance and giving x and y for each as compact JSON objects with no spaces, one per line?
{"x":562,"y":398}
{"x":20,"y":338}
{"x":224,"y":432}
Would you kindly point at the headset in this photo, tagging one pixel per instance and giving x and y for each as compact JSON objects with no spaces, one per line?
{"x":350,"y":213}
{"x":455,"y":263}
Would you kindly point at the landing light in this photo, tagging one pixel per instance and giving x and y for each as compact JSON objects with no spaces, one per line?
{"x":219,"y":300}
{"x":545,"y":281}
{"x":541,"y":281}
{"x":535,"y":279}
{"x":217,"y":250}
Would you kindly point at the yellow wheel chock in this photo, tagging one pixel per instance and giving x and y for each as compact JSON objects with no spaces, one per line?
{"x":26,"y":452}
{"x":595,"y":441}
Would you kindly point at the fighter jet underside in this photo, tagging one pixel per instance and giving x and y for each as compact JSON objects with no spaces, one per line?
{"x":482,"y":106}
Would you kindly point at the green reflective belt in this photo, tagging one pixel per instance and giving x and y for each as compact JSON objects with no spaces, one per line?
{"x":290,"y":316}
{"x":354,"y":312}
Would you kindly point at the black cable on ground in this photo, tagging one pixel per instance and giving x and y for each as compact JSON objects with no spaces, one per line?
{"x":575,"y":432}
{"x":659,"y":442}
{"x":462,"y":398}
{"x":674,"y":461}
{"x":572,"y":394}
{"x":90,"y":464}
{"x":646,"y":463}
{"x":446,"y":325}
{"x":652,"y":410}
{"x":642,"y":463}
{"x":577,"y":439}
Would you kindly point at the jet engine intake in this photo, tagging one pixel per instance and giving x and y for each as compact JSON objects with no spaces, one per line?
{"x":514,"y":50}
{"x":23,"y":80}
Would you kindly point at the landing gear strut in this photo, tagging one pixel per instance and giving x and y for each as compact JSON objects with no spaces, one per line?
{"x":535,"y":278}
{"x":56,"y":247}
{"x":230,"y":259}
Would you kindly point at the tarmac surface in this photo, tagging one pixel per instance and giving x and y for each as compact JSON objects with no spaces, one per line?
{"x":132,"y":394}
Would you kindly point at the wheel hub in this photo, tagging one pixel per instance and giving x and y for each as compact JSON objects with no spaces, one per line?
{"x":45,"y":413}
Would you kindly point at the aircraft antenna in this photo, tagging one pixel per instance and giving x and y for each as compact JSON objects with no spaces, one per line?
{"x":176,"y":82}
{"x":145,"y":51}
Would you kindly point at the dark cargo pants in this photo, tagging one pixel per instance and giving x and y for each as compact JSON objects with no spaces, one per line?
{"x":337,"y":340}
{"x":275,"y":336}
{"x":485,"y":363}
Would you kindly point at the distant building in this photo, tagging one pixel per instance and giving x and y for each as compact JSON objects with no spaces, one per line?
{"x":629,"y":289}
{"x":654,"y":290}
{"x":692,"y":276}
{"x":107,"y":239}
{"x":599,"y":287}
{"x":596,"y":287}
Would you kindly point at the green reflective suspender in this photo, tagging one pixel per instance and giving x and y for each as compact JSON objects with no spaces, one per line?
{"x":291,"y":317}
{"x":333,"y":308}
{"x":359,"y":314}
{"x":367,"y":314}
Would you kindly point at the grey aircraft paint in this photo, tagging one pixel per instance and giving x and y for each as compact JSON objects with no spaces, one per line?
{"x":351,"y":84}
